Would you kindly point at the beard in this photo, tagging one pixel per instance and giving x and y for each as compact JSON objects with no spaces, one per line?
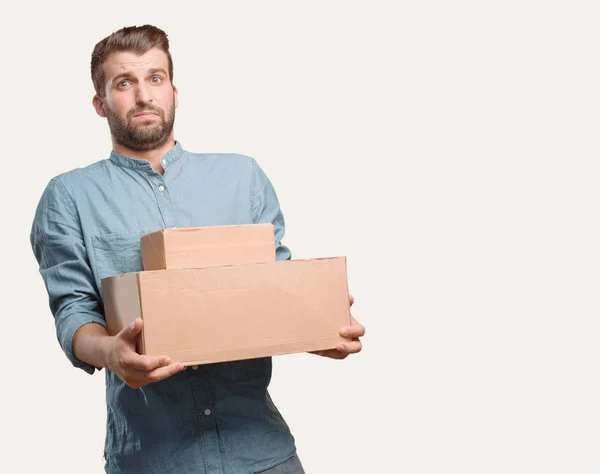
{"x":144,"y":136}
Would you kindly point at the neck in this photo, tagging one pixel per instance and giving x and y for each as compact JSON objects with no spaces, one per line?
{"x":153,"y":156}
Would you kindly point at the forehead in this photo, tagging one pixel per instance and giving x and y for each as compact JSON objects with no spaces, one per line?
{"x":131,"y":62}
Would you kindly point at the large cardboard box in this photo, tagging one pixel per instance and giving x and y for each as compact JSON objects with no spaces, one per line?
{"x":208,"y":246}
{"x":233,"y":312}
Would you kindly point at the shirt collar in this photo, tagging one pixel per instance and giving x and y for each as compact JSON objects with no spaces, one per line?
{"x":168,"y":159}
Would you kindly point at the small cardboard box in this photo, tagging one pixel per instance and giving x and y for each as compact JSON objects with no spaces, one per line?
{"x":233,"y":312}
{"x":193,"y":247}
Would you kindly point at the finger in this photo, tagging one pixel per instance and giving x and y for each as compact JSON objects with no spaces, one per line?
{"x":145,"y":363}
{"x":162,"y":373}
{"x":335,"y":354}
{"x":356,"y":330}
{"x":350,"y":347}
{"x":331,"y":354}
{"x":130,"y":332}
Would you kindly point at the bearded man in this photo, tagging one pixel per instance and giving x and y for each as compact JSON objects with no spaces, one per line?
{"x":216,"y":418}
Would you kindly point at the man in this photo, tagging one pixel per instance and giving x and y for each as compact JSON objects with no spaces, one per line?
{"x":215,"y":418}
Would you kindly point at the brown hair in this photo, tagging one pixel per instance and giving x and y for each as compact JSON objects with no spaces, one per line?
{"x":139,"y":39}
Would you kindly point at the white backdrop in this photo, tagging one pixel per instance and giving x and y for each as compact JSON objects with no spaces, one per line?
{"x":448,"y":149}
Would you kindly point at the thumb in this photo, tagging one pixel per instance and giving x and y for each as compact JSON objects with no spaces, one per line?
{"x":131,"y":332}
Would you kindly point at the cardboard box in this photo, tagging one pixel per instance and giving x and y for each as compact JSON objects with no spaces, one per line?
{"x":234,"y":312}
{"x":194,"y":247}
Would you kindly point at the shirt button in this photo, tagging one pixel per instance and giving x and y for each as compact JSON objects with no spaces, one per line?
{"x":164,"y":162}
{"x":161,"y":188}
{"x":194,"y":367}
{"x":207,"y":412}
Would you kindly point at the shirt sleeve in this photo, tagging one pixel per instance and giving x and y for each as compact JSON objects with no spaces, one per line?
{"x":57,"y":242}
{"x":265,"y":209}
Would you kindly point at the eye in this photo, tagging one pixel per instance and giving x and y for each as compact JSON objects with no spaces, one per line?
{"x":123,"y":84}
{"x":156,"y":79}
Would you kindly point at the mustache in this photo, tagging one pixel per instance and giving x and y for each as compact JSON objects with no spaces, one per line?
{"x":139,"y":110}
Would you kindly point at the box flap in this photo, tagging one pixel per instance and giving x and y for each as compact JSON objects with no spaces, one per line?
{"x":122,"y":303}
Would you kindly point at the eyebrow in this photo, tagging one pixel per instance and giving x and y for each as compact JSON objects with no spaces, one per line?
{"x":150,"y":72}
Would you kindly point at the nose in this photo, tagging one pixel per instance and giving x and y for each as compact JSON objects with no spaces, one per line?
{"x":143,"y":94}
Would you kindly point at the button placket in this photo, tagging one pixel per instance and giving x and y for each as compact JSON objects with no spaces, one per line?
{"x":205,"y":413}
{"x":163,"y":197}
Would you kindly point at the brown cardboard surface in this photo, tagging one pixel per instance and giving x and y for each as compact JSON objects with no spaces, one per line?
{"x":122,"y":303}
{"x":196,"y":247}
{"x":233,"y":312}
{"x":152,"y":248}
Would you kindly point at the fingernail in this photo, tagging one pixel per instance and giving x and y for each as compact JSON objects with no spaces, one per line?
{"x":167,"y":361}
{"x":341,"y":348}
{"x":344,"y":332}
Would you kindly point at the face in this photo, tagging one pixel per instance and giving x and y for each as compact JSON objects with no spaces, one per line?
{"x":139,"y":101}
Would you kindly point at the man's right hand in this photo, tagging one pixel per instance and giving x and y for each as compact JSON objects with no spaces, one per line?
{"x":132,"y":368}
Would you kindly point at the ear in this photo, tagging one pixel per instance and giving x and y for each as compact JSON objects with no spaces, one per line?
{"x":98,"y":104}
{"x":175,"y":100}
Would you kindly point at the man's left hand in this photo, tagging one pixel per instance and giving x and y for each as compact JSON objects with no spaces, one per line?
{"x":355,"y":331}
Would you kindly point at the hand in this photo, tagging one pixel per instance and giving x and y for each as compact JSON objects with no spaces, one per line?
{"x":132,"y":368}
{"x":354,"y":331}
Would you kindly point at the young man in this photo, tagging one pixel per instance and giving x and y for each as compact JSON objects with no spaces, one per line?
{"x":216,"y":418}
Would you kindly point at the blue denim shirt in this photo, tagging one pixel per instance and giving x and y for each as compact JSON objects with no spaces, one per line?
{"x":218,"y":418}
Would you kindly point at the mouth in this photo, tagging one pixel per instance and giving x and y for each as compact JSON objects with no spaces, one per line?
{"x":145,"y":114}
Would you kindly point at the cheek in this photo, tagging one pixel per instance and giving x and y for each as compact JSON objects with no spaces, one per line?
{"x":122,"y":104}
{"x":166,"y":99}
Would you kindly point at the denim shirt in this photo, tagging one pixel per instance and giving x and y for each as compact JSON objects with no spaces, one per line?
{"x":216,"y":418}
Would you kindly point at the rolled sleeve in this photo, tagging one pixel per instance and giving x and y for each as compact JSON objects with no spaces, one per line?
{"x":58,"y":245}
{"x":265,"y":209}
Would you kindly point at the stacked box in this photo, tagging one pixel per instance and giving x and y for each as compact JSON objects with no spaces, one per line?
{"x":216,"y":294}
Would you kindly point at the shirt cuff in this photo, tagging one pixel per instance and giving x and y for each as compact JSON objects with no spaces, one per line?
{"x":67,"y":332}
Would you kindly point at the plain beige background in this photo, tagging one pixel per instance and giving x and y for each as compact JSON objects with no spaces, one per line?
{"x":448,"y":149}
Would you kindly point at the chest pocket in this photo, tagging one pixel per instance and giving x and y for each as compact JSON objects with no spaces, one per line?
{"x":115,"y":254}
